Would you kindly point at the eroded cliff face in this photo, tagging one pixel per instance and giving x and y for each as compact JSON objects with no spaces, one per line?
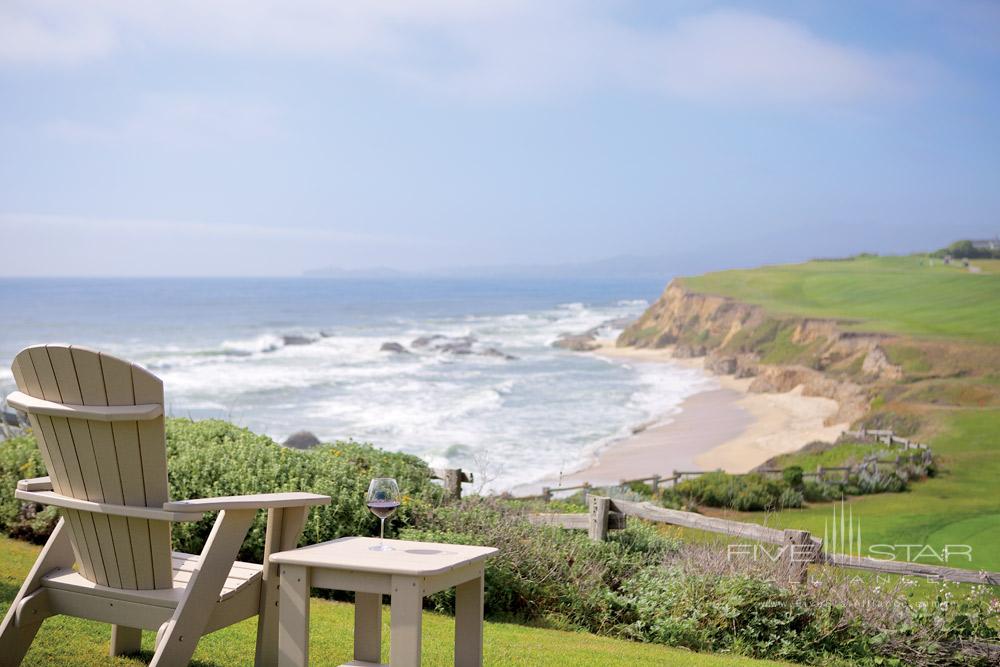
{"x":779,"y":352}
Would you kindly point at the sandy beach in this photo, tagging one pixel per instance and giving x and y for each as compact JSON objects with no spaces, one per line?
{"x":723,"y":427}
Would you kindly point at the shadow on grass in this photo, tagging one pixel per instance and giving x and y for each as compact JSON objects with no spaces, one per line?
{"x":147,"y":657}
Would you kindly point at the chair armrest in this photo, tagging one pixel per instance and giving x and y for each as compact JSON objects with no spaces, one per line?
{"x":104,"y":413}
{"x":66,"y":502}
{"x":35,"y":484}
{"x":256,"y":501}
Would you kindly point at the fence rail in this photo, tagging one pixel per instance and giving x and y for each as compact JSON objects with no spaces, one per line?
{"x":884,"y":436}
{"x":799,"y":548}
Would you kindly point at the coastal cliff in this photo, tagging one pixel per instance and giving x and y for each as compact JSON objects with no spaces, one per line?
{"x":779,"y":352}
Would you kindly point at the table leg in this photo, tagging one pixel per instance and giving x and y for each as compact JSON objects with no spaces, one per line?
{"x":293,"y":617}
{"x":469,"y":623}
{"x":368,"y":627}
{"x":404,"y":641}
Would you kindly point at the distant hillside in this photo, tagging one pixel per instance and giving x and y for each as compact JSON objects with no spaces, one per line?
{"x":915,"y":295}
{"x":623,"y":267}
{"x":907,"y":343}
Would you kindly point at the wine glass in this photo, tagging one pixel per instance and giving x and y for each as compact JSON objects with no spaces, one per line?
{"x":383,"y":499}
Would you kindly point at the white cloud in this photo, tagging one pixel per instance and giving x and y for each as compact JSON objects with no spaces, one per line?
{"x":501,"y":48}
{"x":36,"y":35}
{"x":176,"y":121}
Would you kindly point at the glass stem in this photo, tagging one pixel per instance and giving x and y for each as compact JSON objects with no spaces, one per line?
{"x":381,"y":534}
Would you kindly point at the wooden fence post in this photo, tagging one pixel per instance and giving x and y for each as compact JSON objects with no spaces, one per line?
{"x":586,"y":492}
{"x":598,"y":527}
{"x":546,"y":494}
{"x":453,"y":482}
{"x":655,"y":484}
{"x":797,"y":554}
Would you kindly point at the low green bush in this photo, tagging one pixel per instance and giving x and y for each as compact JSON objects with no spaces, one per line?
{"x":215,"y":458}
{"x":543,"y":572}
{"x":757,"y":492}
{"x":748,"y":493}
{"x":737,"y":614}
{"x":20,"y":459}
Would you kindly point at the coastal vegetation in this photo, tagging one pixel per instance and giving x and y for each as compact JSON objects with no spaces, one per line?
{"x":934,"y":377}
{"x":73,"y":641}
{"x":905,"y":343}
{"x":640,"y":584}
{"x":909,"y":295}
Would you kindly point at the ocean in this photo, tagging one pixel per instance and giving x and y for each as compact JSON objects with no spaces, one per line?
{"x":485,"y":390}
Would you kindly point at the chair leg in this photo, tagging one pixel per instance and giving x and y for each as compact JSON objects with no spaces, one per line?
{"x":186,"y":626}
{"x":16,"y":639}
{"x":15,"y":642}
{"x":125,"y":640}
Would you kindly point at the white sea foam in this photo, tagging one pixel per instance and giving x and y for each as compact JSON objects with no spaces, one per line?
{"x":512,"y":421}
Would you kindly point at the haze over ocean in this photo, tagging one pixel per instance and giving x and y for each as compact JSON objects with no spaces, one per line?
{"x":225,"y":348}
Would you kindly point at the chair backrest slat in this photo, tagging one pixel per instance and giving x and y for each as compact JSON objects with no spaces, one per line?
{"x":120,"y":463}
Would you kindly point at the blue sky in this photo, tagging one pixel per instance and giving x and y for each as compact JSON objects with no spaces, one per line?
{"x":265,"y":138}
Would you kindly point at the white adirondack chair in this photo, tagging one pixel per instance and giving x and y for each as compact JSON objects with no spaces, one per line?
{"x":99,"y":425}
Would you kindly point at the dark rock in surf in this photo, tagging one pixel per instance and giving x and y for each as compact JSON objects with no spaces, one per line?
{"x":459,"y":347}
{"x":294,"y":339}
{"x":301,"y":440}
{"x":427,"y":341}
{"x":392,"y":346}
{"x":493,"y":352}
{"x":585,"y":342}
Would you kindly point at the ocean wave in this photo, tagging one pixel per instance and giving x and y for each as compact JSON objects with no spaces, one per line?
{"x":549,"y":411}
{"x":258,"y":344}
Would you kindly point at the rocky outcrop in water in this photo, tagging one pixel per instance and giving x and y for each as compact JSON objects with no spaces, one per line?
{"x":297,"y":339}
{"x":457,"y":345}
{"x":301,"y":440}
{"x":393,"y":346}
{"x":587,"y":341}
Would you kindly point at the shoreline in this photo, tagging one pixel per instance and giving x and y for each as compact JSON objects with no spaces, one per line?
{"x":724,"y":427}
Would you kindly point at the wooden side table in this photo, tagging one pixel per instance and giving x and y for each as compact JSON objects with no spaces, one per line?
{"x":408,"y":573}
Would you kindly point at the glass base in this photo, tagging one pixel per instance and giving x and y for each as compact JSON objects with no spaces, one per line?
{"x":381,"y":547}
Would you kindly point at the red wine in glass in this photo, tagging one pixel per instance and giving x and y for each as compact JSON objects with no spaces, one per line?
{"x":383,"y":509}
{"x":383,"y":499}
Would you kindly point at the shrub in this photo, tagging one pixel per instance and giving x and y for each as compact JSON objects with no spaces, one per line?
{"x":752,"y":492}
{"x":215,"y":458}
{"x":792,"y":476}
{"x":736,"y":613}
{"x":20,"y":459}
{"x":542,"y":571}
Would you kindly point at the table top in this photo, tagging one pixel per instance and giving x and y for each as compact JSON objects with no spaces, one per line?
{"x":407,"y":557}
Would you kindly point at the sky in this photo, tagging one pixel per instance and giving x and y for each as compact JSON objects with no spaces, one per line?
{"x":143,"y":138}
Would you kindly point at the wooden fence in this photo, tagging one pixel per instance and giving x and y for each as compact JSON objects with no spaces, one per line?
{"x":798,"y":550}
{"x":820,"y":474}
{"x":453,"y":479}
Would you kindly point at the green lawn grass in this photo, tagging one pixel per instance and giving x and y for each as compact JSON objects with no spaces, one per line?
{"x":903,"y":295}
{"x":949,"y":383}
{"x":959,"y":506}
{"x":839,"y":456}
{"x":70,"y":641}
